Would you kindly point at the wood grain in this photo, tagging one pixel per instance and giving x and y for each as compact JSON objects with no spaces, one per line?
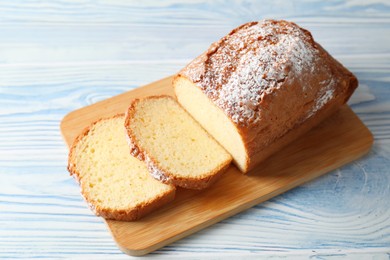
{"x":337,"y":141}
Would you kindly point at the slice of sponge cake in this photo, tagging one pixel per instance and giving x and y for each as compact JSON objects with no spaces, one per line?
{"x":115,"y":184}
{"x":176,"y":149}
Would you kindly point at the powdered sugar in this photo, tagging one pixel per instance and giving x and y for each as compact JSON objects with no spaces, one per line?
{"x":250,"y":62}
{"x":155,"y":171}
{"x":325,"y":95}
{"x":328,"y":95}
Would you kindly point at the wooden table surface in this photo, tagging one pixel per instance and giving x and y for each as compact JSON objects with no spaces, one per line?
{"x":58,"y":56}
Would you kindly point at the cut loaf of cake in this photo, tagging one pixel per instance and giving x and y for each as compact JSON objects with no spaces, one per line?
{"x":262,"y":86}
{"x":115,"y":184}
{"x":176,"y":149}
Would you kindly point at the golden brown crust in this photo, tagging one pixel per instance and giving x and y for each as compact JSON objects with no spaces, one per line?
{"x":133,"y":213}
{"x":185,"y":182}
{"x":348,"y":83}
{"x":155,"y":168}
{"x":130,"y":214}
{"x":291,"y":135}
{"x":269,"y":78}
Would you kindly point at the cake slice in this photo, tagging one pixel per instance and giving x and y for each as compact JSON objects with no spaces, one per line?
{"x":176,"y":149}
{"x":115,"y":184}
{"x":262,"y":86}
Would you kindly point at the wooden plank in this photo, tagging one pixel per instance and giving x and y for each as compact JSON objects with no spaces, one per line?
{"x":337,"y":141}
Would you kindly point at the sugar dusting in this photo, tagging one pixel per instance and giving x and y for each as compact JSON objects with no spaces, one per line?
{"x":155,"y":171}
{"x":324,"y":99}
{"x":250,"y":62}
{"x":325,"y":94}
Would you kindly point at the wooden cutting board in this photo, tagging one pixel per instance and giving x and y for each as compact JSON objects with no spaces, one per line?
{"x":337,"y":141}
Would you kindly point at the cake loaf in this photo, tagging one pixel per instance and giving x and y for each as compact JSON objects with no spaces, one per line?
{"x":262,"y":86}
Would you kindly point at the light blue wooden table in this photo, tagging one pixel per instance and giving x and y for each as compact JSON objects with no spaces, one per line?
{"x":58,"y":56}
